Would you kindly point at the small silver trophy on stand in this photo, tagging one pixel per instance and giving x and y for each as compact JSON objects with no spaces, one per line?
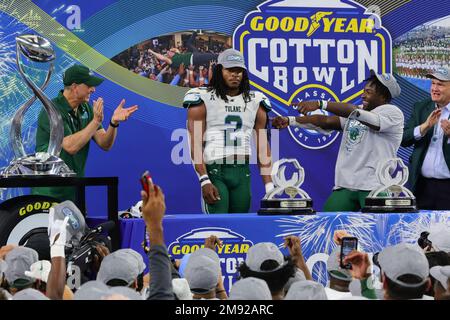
{"x":392,"y":196}
{"x":37,"y":49}
{"x":276,"y":201}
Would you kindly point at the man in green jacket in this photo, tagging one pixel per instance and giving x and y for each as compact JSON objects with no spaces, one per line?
{"x":428,"y":130}
{"x":82,"y":122}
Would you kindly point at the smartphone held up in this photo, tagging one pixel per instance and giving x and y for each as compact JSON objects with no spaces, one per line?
{"x":146,"y":181}
{"x":348,"y":245}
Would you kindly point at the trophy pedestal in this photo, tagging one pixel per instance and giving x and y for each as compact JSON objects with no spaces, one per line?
{"x":286,"y":198}
{"x":390,"y":205}
{"x":392,"y":196}
{"x":286,"y":207}
{"x":38,"y":165}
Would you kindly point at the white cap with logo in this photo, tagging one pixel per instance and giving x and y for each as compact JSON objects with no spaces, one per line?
{"x":231,"y":58}
{"x":388,"y":80}
{"x":442,"y":73}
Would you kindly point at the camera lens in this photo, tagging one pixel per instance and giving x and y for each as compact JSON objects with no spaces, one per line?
{"x":423,"y":241}
{"x":375,"y":259}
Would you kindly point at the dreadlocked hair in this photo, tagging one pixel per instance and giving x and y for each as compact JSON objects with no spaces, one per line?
{"x":217,"y":84}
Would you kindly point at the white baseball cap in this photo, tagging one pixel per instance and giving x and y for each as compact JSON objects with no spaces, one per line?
{"x":306,"y":290}
{"x":261,"y":252}
{"x":29,"y":294}
{"x":402,"y":259}
{"x":441,"y":274}
{"x":299,"y":275}
{"x":231,"y":58}
{"x":388,"y":80}
{"x":442,"y":73}
{"x":250,"y":289}
{"x":440,"y":237}
{"x":181,"y":289}
{"x":39,"y":270}
{"x":202,"y":270}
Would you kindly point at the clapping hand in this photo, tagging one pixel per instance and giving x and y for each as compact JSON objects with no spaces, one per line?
{"x":445,"y":125}
{"x":121,"y":113}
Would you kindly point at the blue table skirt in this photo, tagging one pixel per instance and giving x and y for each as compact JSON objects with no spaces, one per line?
{"x":185,"y":233}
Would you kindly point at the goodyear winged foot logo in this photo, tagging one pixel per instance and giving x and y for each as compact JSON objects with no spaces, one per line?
{"x":312,"y":50}
{"x":231,"y":254}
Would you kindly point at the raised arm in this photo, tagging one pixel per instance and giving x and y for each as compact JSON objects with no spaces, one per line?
{"x":295,"y":250}
{"x":75,"y":142}
{"x":57,"y":276}
{"x":320,"y":121}
{"x":153,"y":211}
{"x":338,"y":108}
{"x":370,"y":119}
{"x":105,"y":138}
{"x":161,"y":57}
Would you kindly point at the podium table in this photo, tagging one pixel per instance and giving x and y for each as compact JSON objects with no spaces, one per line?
{"x":80,"y":183}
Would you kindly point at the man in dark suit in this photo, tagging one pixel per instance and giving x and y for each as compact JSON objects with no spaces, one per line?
{"x":428,"y":130}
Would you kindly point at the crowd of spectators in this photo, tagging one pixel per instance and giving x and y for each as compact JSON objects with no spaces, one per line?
{"x":145,"y":60}
{"x":405,"y":271}
{"x":422,"y":51}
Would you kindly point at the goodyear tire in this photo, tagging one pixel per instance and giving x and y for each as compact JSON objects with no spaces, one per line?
{"x":21,"y":215}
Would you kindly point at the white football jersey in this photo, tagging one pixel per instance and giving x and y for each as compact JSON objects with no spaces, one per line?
{"x":229,"y":125}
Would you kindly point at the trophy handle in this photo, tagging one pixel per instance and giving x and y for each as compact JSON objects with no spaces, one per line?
{"x":55,"y":120}
{"x":376,"y":192}
{"x":16,"y":125}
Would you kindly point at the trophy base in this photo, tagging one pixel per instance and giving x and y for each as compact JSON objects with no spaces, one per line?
{"x":36,"y":165}
{"x":286,"y":207}
{"x":390,"y":205}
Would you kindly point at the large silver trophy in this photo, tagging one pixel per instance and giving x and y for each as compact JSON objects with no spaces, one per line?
{"x":286,"y":198}
{"x":37,"y":49}
{"x":392,"y":196}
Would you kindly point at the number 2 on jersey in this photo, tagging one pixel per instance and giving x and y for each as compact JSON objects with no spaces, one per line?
{"x":237,"y":121}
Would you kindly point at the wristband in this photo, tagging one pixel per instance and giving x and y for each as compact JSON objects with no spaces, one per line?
{"x":205,"y":182}
{"x":113,"y":125}
{"x":292,"y":121}
{"x":57,"y":251}
{"x":323,"y":104}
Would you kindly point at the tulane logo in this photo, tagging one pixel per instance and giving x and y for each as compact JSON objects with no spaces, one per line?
{"x":312,"y":50}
